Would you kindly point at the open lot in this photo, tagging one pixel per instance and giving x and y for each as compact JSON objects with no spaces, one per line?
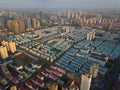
{"x":23,"y":59}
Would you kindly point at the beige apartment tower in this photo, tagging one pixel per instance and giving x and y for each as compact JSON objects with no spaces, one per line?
{"x":6,"y":44}
{"x":16,"y":27}
{"x":90,"y":35}
{"x":38,"y":25}
{"x":86,"y":82}
{"x":68,"y":14}
{"x":12,"y":46}
{"x":34,"y":23}
{"x":21,"y":26}
{"x":3,"y":52}
{"x":94,"y":70}
{"x":29,"y":23}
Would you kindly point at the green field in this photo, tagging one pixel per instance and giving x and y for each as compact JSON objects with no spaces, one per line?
{"x":23,"y":59}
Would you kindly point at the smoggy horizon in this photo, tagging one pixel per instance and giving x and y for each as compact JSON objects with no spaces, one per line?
{"x":89,"y":4}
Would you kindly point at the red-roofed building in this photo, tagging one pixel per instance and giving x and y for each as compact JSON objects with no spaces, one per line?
{"x":34,"y":79}
{"x":37,"y":81}
{"x":21,"y":88}
{"x":40,"y":77}
{"x":58,"y":73}
{"x":44,"y":73}
{"x":31,"y":85}
{"x":53,"y":66}
{"x":52,"y":76}
{"x":49,"y":70}
{"x":40,"y":83}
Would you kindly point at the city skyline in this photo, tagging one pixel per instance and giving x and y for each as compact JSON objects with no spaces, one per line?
{"x":88,"y":4}
{"x":59,"y":45}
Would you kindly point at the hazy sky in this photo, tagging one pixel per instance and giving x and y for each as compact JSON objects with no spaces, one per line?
{"x":59,"y":3}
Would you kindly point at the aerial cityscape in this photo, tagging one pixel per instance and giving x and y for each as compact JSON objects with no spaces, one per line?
{"x":60,"y":45}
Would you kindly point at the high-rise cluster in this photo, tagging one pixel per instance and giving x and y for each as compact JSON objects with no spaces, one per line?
{"x":16,"y":26}
{"x":90,"y":35}
{"x":7,"y":46}
{"x":21,"y":25}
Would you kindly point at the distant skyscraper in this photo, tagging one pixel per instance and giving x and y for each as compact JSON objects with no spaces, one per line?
{"x":73,"y":15}
{"x":90,"y":35}
{"x":94,"y":70}
{"x":1,"y":21}
{"x":68,"y":14}
{"x":76,"y":16}
{"x":16,"y":27}
{"x":28,"y":23}
{"x":10,"y":24}
{"x":3,"y":52}
{"x":12,"y":46}
{"x":86,"y":82}
{"x":38,"y":24}
{"x":21,"y":25}
{"x":34,"y":23}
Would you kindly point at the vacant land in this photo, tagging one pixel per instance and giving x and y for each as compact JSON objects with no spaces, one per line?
{"x":23,"y":59}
